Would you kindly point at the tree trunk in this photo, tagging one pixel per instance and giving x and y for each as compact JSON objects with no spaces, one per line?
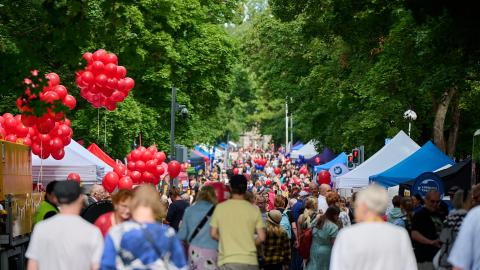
{"x":454,"y":125}
{"x":439,"y":122}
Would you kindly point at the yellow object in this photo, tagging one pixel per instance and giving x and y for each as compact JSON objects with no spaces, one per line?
{"x":237,"y":221}
{"x":15,"y":169}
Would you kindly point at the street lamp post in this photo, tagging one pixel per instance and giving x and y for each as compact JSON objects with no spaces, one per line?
{"x":174,"y":108}
{"x":410,"y":115}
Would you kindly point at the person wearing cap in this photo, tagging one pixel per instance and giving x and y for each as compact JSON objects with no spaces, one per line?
{"x":372,"y":244}
{"x":65,"y":241}
{"x":234,"y":224}
{"x":48,"y":207}
{"x":276,"y":248}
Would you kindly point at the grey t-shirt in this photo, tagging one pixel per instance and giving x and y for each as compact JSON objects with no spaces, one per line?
{"x":65,"y":242}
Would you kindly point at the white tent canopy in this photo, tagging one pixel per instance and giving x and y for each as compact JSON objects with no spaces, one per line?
{"x":77,"y":160}
{"x":396,"y":150}
{"x":307,"y":151}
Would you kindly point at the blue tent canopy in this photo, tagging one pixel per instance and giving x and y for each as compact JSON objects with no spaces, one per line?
{"x":426,"y":159}
{"x":342,"y":158}
{"x":203,"y":152}
{"x":297,"y":146}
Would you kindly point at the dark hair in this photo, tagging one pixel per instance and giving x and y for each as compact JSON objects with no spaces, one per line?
{"x":419,"y":198}
{"x":238,"y":184}
{"x":397,"y":201}
{"x":49,"y":188}
{"x":330,"y":214}
{"x":174,"y":192}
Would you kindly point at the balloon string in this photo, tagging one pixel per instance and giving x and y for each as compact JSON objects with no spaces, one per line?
{"x":105,"y":130}
{"x":98,"y":124}
{"x":41,"y":165}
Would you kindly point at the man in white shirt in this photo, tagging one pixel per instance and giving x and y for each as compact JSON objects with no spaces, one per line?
{"x":65,"y":241}
{"x":322,"y":201}
{"x":372,"y":244}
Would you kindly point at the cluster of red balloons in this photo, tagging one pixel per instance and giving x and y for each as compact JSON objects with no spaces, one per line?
{"x":303,"y":170}
{"x":145,"y":165}
{"x":52,"y":95}
{"x":261,"y":161}
{"x":118,"y":178}
{"x":13,"y":130}
{"x":324,"y":177}
{"x":52,"y":143}
{"x":103,"y":83}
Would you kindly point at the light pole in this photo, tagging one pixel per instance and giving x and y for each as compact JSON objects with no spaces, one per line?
{"x":410,"y":115}
{"x":175,"y":107}
{"x":286,"y":126}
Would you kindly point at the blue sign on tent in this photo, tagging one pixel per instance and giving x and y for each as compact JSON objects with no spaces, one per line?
{"x":426,"y":182}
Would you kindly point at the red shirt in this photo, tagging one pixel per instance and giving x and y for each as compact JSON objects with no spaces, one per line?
{"x":104,"y":222}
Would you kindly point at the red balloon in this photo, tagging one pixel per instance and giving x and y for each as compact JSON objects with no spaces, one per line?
{"x":140,"y":166}
{"x":7,"y":115}
{"x":61,"y":91}
{"x":121,"y":72}
{"x":129,"y":84}
{"x":136,"y":154}
{"x":159,"y":170}
{"x":152,"y":149}
{"x":111,"y":106}
{"x":97,"y":67}
{"x":56,"y":144}
{"x":99,"y":55}
{"x":70,"y":102}
{"x":120,"y":169}
{"x":111,"y":58}
{"x":131,"y":165}
{"x":53,"y":79}
{"x":63,"y":131}
{"x":277,"y":170}
{"x":45,"y":139}
{"x":88,"y":56}
{"x":110,"y":181}
{"x":118,"y":96}
{"x":235,"y":171}
{"x":283,"y":187}
{"x":74,"y":177}
{"x":268,"y":182}
{"x":221,"y":190}
{"x":36,"y":150}
{"x":3,"y":133}
{"x":206,"y":159}
{"x":147,"y":155}
{"x":110,"y":70}
{"x":317,"y":160}
{"x":151,"y":166}
{"x":58,"y":154}
{"x":27,"y":141}
{"x":45,"y":124}
{"x":11,"y":138}
{"x":125,"y":183}
{"x":10,"y":125}
{"x":160,"y":156}
{"x":324,"y":177}
{"x":44,"y":154}
{"x":173,"y":168}
{"x":148,"y":177}
{"x":101,"y":80}
{"x":88,"y":77}
{"x":112,"y":83}
{"x":21,"y":131}
{"x":136,"y":177}
{"x":49,"y":97}
{"x":142,"y":149}
{"x":66,"y":140}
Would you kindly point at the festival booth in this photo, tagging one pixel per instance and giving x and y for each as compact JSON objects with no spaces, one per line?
{"x":77,"y":159}
{"x":307,"y":151}
{"x":427,"y":159}
{"x":342,"y":158}
{"x":326,"y":156}
{"x":397,"y":149}
{"x":297,"y":146}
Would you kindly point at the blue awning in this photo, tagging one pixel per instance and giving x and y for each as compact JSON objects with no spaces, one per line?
{"x":342,"y":158}
{"x":426,"y":159}
{"x":297,"y":146}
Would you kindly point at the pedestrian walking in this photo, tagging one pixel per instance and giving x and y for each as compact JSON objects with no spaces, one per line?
{"x":276,"y":248}
{"x":121,"y":211}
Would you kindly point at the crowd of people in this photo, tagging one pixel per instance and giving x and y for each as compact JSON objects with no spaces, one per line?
{"x":255,"y":217}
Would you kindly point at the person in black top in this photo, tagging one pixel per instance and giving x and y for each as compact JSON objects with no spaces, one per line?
{"x":176,"y":208}
{"x":426,"y":228}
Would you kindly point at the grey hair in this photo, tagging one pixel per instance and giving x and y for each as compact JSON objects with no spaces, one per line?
{"x":457,"y":199}
{"x":374,"y":197}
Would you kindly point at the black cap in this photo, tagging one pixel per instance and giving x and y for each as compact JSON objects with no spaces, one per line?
{"x":67,"y":191}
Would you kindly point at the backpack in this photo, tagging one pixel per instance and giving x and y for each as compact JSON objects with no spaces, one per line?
{"x":305,"y":243}
{"x":285,"y":224}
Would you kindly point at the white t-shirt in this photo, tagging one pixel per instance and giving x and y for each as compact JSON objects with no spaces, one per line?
{"x":322,"y":204}
{"x":373,"y":246}
{"x":65,"y":242}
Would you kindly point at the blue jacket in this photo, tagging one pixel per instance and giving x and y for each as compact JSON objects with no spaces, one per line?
{"x":192,"y":217}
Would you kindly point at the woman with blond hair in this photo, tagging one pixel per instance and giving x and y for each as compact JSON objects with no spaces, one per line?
{"x":143,"y":243}
{"x":195,"y":231}
{"x":306,"y":219}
